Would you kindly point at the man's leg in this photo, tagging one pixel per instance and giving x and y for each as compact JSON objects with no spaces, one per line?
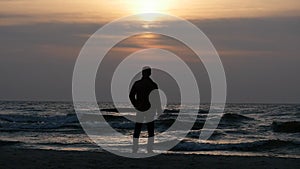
{"x":150,"y":128}
{"x":136,"y":135}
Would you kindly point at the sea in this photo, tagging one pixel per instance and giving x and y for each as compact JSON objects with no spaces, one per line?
{"x":244,"y":129}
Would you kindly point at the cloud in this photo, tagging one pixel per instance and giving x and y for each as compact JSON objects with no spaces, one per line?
{"x":260,"y":56}
{"x":277,"y":35}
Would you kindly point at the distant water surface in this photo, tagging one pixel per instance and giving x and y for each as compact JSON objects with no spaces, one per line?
{"x":245,"y":129}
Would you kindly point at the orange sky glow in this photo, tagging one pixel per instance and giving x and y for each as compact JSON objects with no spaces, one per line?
{"x":95,"y":11}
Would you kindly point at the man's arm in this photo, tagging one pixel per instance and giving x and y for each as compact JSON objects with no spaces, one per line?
{"x":132,"y":95}
{"x":157,"y":101}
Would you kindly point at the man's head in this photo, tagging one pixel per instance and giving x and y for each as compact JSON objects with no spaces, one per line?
{"x":146,"y":71}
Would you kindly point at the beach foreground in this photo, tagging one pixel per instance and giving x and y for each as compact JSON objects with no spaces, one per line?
{"x":29,"y":158}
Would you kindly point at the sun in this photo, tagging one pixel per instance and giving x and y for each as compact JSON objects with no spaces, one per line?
{"x":149,"y":6}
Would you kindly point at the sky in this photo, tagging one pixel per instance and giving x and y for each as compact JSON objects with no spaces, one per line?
{"x":257,"y":40}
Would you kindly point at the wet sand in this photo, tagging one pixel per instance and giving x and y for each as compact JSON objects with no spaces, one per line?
{"x":29,"y":158}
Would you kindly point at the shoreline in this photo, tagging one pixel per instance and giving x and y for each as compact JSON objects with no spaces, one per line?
{"x":35,"y":158}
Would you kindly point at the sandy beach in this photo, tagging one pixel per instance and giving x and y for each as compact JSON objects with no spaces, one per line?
{"x":29,"y":158}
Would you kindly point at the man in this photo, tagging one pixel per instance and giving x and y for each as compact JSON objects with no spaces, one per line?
{"x":145,"y":98}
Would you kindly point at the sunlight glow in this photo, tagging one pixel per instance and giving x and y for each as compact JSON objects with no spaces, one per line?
{"x":95,"y":11}
{"x":149,"y":6}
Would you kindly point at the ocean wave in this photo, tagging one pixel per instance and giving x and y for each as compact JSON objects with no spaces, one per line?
{"x":8,"y":143}
{"x":14,"y":122}
{"x":34,"y":119}
{"x":286,"y":127}
{"x":201,"y":111}
{"x":67,"y":144}
{"x":124,"y":125}
{"x":171,"y":111}
{"x":196,"y":133}
{"x":118,"y":110}
{"x":246,"y":146}
{"x":232,"y":117}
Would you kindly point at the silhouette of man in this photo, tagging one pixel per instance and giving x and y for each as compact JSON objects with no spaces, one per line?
{"x":140,"y":93}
